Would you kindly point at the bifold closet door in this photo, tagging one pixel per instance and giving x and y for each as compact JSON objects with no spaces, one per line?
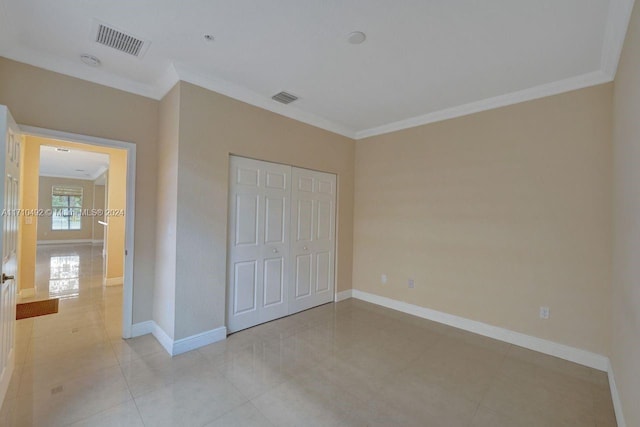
{"x":259,"y":226}
{"x":313,"y":222}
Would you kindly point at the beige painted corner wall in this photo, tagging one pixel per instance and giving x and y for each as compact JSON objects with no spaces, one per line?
{"x":42,"y":98}
{"x":212,"y":126}
{"x":99,"y":202}
{"x":625,"y":346}
{"x":45,"y":233}
{"x":494,"y":215}
{"x":164,"y":307}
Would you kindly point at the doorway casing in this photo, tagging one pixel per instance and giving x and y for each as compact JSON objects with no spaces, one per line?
{"x":127,"y":287}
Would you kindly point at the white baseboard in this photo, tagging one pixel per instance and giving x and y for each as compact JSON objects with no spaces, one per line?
{"x":27,"y":293}
{"x":142,"y":328}
{"x":97,"y":242}
{"x":113,"y":281}
{"x":576,"y":355}
{"x":163,"y":338}
{"x":340,"y":296}
{"x":199,"y":340}
{"x":615,"y":397}
{"x":175,"y":347}
{"x":64,"y":242}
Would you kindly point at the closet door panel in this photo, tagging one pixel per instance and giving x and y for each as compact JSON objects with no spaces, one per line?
{"x":313,"y":245}
{"x":259,"y":214}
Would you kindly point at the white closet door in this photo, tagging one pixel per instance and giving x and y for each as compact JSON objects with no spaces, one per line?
{"x":313,"y":198}
{"x":259,"y":217}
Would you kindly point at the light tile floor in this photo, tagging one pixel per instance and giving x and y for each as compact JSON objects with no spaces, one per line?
{"x":345,"y":364}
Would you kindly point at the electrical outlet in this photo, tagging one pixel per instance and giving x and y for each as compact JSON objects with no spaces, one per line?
{"x":411,"y":284}
{"x":544,"y":312}
{"x":383,"y":279}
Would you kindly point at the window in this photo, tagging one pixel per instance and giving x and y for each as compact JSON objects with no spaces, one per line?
{"x":66,"y":206}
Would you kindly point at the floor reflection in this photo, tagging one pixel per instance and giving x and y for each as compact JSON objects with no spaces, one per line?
{"x":71,"y":272}
{"x":64,"y":276}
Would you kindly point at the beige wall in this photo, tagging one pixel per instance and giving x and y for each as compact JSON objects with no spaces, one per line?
{"x":494,"y":215}
{"x":117,"y":202}
{"x":211,"y":127}
{"x":99,"y":198}
{"x":625,"y":348}
{"x":44,"y":202}
{"x":38,"y":97}
{"x":165,"y":290}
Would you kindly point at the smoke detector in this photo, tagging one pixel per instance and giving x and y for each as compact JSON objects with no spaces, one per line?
{"x":110,"y":36}
{"x":90,"y":60}
{"x":284,"y":97}
{"x":356,"y":37}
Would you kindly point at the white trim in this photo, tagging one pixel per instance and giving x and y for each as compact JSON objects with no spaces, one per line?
{"x":615,"y":397}
{"x":101,"y":170}
{"x":548,"y":89}
{"x":618,"y":18}
{"x":182,"y":345}
{"x":64,"y":241}
{"x":44,"y":60}
{"x":27,"y":293}
{"x":199,"y":340}
{"x":113,"y":281}
{"x":97,"y":242}
{"x":127,"y":298}
{"x":63,"y":176}
{"x":142,"y":328}
{"x":341,"y":296}
{"x":163,"y":338}
{"x":576,"y":355}
{"x":616,"y":26}
{"x":262,"y":101}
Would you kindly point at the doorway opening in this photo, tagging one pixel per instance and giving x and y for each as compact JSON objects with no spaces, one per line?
{"x":77,"y":242}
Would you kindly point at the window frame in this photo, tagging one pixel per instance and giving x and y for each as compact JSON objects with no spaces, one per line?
{"x":73,"y":211}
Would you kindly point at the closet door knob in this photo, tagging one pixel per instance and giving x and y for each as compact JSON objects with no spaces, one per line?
{"x":275,"y":251}
{"x":304,"y":248}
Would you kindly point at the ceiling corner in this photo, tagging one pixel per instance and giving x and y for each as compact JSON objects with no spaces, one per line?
{"x":248,"y":96}
{"x":615,"y":33}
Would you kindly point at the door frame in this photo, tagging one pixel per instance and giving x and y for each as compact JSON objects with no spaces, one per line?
{"x":127,"y":287}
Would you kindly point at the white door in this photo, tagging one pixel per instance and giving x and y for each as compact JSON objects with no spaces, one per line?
{"x":313,"y":199}
{"x":9,"y":192}
{"x":259,"y":209}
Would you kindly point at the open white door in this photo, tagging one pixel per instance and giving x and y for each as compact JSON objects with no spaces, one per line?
{"x":9,"y":192}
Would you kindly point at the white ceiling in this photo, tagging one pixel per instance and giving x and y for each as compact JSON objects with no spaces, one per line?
{"x":76,"y":164}
{"x":423,"y":60}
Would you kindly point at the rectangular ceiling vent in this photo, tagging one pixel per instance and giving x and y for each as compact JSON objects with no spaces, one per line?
{"x":284,"y":97}
{"x":118,"y":40}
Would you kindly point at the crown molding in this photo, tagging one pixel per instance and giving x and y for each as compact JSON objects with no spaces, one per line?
{"x":618,"y":19}
{"x":256,"y":99}
{"x":619,"y":14}
{"x":94,"y":75}
{"x":553,"y":88}
{"x":64,"y":176}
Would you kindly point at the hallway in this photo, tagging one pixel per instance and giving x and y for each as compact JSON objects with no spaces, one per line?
{"x":68,"y":364}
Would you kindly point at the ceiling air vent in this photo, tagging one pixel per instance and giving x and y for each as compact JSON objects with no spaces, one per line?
{"x":118,"y":40}
{"x":284,"y":97}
